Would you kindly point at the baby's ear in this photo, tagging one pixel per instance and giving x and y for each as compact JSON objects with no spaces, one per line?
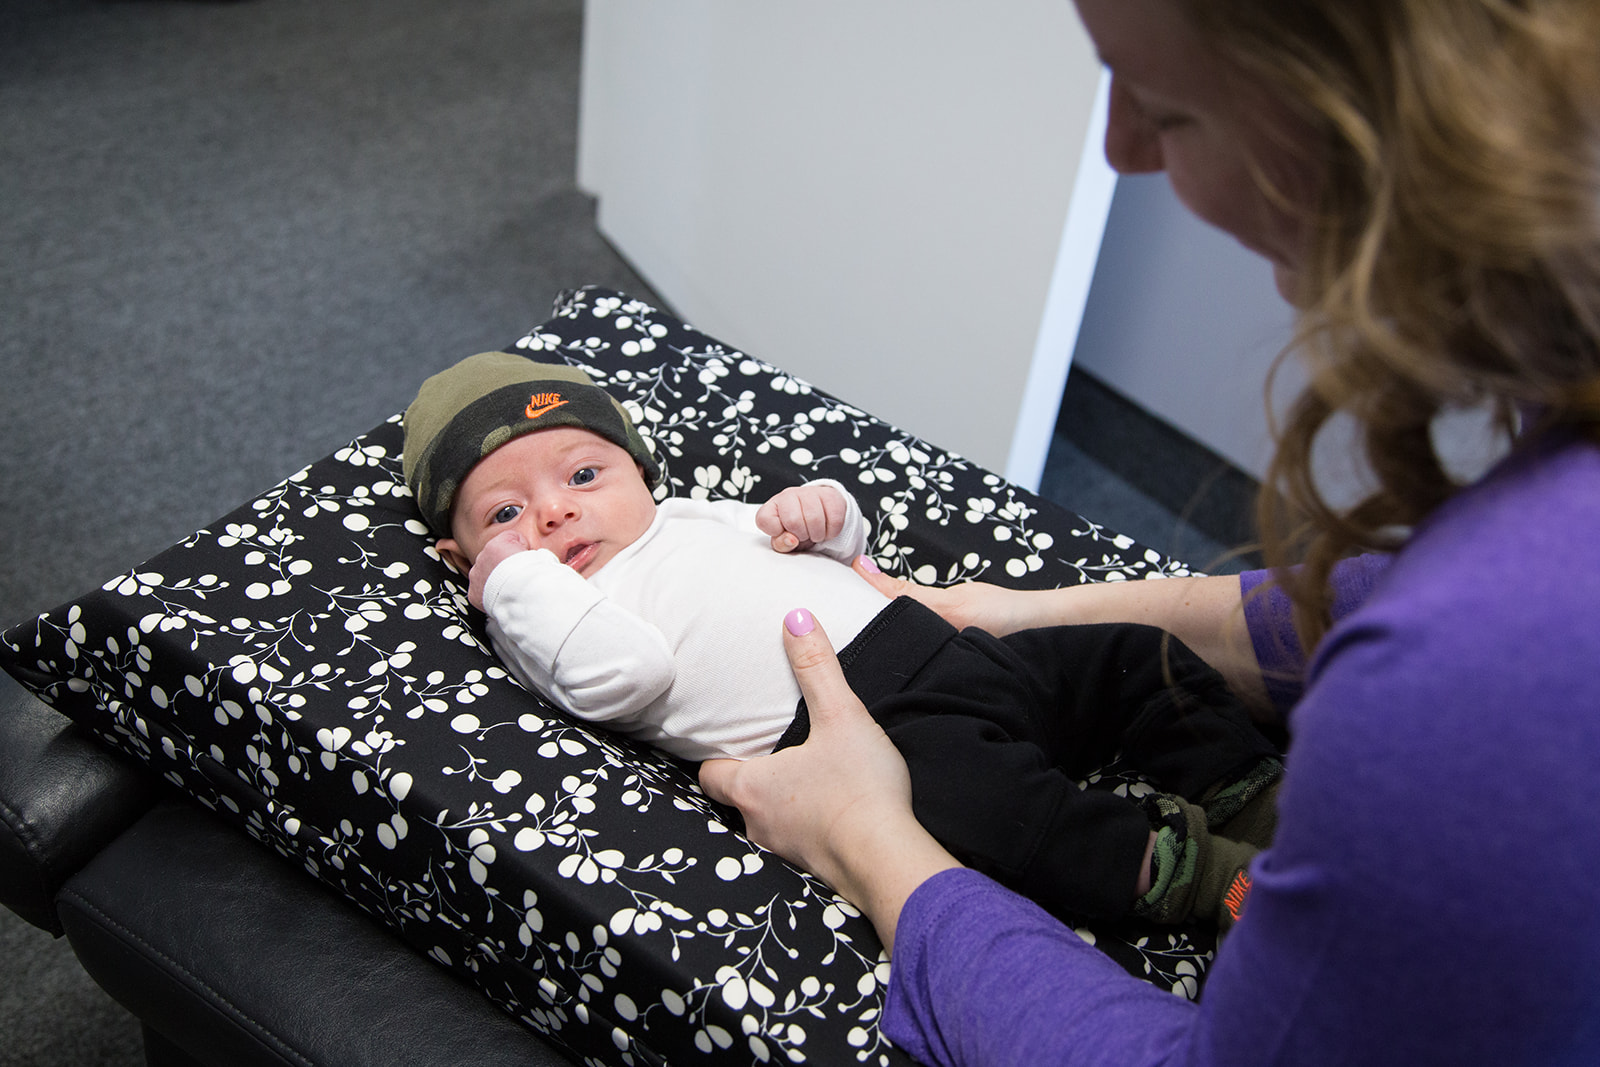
{"x":453,"y":555}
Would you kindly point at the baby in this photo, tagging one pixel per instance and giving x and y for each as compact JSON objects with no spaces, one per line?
{"x":661,"y":621}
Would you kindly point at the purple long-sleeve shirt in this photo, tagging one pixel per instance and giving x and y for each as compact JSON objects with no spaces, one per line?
{"x":1433,"y":893}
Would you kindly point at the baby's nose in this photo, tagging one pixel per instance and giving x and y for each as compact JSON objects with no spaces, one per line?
{"x":557,"y":512}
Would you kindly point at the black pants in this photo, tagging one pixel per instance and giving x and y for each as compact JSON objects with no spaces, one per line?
{"x":998,"y":731}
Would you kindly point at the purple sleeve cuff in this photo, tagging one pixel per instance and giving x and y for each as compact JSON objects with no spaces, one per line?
{"x":1270,"y":619}
{"x":981,"y":975}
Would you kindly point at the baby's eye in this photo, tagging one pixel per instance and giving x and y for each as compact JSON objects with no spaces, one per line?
{"x":508,"y":513}
{"x":584,"y":475}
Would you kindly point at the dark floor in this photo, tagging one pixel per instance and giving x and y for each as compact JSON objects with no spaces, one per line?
{"x":1117,"y":464}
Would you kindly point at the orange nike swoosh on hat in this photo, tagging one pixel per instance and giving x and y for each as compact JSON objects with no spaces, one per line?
{"x":533,"y":412}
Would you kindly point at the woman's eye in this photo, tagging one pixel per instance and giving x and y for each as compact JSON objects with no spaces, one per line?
{"x":584,"y":475}
{"x":1160,"y":119}
{"x":507,"y":514}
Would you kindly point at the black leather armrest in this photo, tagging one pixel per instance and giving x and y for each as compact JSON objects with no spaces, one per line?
{"x":63,"y":797}
{"x":238,"y":958}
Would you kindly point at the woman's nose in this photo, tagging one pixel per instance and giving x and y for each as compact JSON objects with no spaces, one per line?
{"x":1132,"y":144}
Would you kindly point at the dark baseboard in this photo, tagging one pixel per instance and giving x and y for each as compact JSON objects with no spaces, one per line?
{"x":1176,"y":471}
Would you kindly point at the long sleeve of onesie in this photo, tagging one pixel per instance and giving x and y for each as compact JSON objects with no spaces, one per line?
{"x":845,"y":546}
{"x":561,"y":635}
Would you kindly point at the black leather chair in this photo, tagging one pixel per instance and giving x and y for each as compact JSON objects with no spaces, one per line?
{"x":225,"y":953}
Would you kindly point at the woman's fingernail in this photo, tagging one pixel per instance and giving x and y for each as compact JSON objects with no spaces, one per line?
{"x":799,"y":622}
{"x":868,"y":565}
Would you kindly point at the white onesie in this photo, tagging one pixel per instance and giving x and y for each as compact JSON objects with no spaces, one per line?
{"x":676,"y":641}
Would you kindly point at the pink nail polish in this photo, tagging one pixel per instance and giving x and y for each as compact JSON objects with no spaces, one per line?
{"x":869,"y":565}
{"x":799,"y":622}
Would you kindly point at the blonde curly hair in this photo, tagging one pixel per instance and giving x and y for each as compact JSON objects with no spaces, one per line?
{"x":1453,"y":261}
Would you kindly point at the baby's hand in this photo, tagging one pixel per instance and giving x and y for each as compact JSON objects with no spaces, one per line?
{"x":493,"y":554}
{"x":802,"y":516}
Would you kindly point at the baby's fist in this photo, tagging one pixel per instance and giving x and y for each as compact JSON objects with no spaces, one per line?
{"x":802,"y":516}
{"x":496,"y":552}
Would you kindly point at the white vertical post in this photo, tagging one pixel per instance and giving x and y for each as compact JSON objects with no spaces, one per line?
{"x":1065,"y":302}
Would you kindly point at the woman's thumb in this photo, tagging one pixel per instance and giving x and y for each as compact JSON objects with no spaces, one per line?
{"x":815,"y":666}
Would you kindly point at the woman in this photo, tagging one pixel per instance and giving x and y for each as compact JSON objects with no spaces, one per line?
{"x":1424,"y":176}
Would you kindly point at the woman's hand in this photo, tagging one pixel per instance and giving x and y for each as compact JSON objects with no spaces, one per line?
{"x":993,"y":608}
{"x":838,"y":805}
{"x":1203,"y":612}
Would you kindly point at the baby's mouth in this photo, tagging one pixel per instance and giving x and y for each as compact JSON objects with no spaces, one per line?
{"x":580,"y":555}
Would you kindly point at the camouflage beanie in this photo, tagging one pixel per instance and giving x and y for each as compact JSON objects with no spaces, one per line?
{"x":462,"y":414}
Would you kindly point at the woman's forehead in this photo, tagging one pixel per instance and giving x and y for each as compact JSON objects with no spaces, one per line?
{"x":1153,"y":43}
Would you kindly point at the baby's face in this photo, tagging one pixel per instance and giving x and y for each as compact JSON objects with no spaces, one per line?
{"x":564,"y":489}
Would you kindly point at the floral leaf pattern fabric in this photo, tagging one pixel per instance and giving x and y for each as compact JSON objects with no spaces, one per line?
{"x":310,"y":668}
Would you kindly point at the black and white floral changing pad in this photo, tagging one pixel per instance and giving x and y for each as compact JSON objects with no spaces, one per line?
{"x":308,"y":667}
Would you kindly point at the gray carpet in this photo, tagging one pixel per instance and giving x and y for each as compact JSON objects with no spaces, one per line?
{"x":235,"y":234}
